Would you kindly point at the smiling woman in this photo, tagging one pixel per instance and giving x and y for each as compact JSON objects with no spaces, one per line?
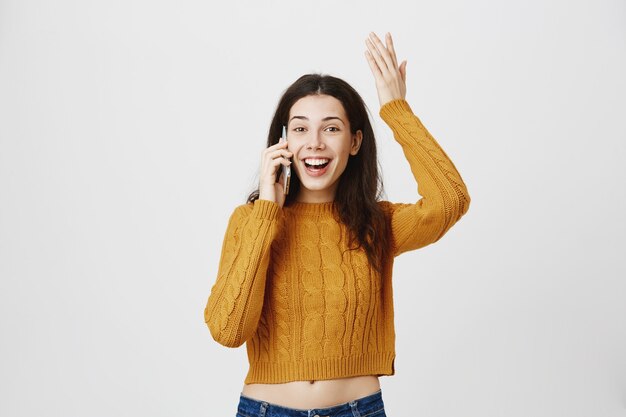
{"x":304,"y":278}
{"x":352,"y":154}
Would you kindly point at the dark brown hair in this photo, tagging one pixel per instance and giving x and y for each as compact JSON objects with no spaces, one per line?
{"x":360,"y":185}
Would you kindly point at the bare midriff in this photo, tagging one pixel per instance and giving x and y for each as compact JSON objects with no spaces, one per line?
{"x":313,"y":394}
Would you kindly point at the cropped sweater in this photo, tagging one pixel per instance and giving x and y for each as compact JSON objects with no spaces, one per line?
{"x":307,"y":308}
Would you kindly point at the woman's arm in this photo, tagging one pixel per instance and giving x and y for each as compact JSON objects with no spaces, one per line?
{"x":234,"y":307}
{"x":236,"y":301}
{"x":444,"y":195}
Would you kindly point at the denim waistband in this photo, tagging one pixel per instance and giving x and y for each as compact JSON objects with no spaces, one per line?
{"x":370,"y":404}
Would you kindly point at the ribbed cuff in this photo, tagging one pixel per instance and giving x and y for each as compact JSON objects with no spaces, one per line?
{"x":265,"y":209}
{"x":394,"y":109}
{"x":323,"y":368}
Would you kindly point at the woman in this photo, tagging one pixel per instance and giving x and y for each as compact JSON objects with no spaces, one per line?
{"x":305,"y":277}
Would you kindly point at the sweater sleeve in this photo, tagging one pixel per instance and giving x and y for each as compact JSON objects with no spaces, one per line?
{"x":234,"y":306}
{"x":444,"y":195}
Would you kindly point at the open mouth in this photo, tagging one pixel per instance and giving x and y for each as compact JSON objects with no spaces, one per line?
{"x":316,"y":167}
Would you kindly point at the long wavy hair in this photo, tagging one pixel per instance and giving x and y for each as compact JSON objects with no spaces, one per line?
{"x":360,"y":185}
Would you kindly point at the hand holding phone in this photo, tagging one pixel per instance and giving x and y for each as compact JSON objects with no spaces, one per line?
{"x":286,"y":169}
{"x":274,"y":181}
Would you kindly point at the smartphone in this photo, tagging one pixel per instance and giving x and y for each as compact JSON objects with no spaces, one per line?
{"x":286,"y":169}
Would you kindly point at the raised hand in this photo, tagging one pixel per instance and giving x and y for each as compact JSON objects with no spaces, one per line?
{"x":390,"y":78}
{"x":272,"y":158}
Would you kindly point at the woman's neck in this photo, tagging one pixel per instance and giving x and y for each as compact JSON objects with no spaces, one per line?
{"x":315,"y":197}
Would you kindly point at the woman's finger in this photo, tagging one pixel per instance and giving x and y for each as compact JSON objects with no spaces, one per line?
{"x":378,"y":59}
{"x":278,"y":162}
{"x":270,"y":161}
{"x":373,"y":65}
{"x":271,"y":168}
{"x":276,"y":150}
{"x":403,"y":70}
{"x":391,"y":49}
{"x":383,"y":52}
{"x":279,"y":189}
{"x":277,"y":145}
{"x":274,"y":153}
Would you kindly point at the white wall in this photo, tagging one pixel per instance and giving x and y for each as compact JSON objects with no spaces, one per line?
{"x":129,"y":130}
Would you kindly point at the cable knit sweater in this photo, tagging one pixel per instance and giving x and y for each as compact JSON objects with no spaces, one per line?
{"x":307,"y":308}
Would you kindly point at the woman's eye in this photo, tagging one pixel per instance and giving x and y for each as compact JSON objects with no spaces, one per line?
{"x":298,"y":129}
{"x":333,"y":129}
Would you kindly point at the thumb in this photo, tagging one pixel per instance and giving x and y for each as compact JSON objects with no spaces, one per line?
{"x":281,"y":177}
{"x":403,"y":70}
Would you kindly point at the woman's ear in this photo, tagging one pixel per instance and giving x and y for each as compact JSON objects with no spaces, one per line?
{"x":357,"y":138}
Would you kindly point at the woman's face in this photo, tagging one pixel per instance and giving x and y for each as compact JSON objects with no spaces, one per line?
{"x":319,"y":136}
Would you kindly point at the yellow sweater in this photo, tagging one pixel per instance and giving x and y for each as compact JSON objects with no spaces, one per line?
{"x":306,"y":311}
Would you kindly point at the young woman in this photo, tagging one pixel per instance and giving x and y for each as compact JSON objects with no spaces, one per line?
{"x":305,"y":278}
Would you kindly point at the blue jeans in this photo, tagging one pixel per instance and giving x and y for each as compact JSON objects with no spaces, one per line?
{"x":369,"y":406}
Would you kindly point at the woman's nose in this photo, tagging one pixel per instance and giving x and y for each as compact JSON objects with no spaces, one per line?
{"x":315,"y":141}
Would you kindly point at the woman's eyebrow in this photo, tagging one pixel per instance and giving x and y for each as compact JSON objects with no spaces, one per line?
{"x":325,"y":119}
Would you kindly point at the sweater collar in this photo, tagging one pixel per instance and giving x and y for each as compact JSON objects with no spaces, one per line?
{"x":312,"y":208}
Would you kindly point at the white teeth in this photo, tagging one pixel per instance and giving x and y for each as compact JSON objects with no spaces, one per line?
{"x":316,"y":161}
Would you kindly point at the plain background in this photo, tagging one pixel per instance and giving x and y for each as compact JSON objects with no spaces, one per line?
{"x":131,"y":129}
